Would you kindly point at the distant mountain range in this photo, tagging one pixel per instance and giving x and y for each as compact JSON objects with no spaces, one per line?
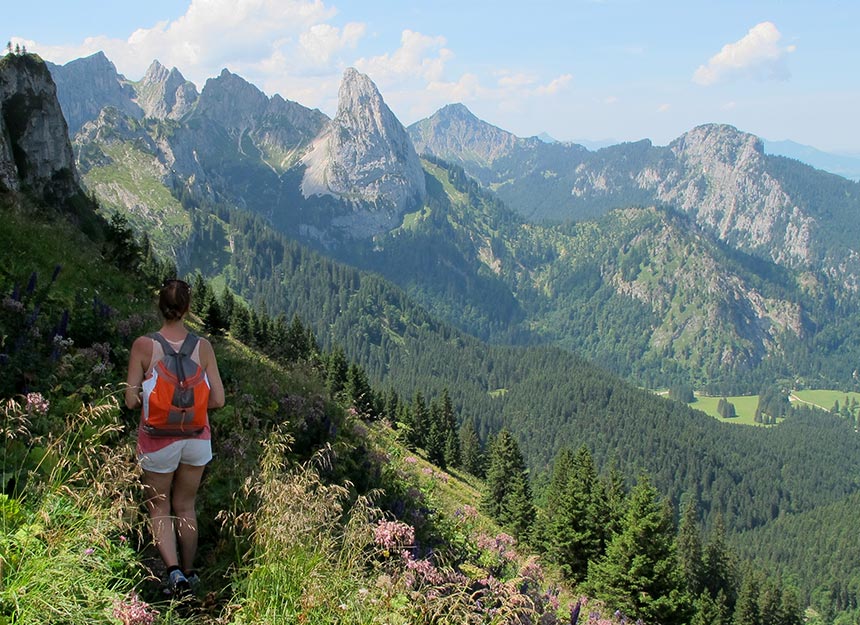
{"x":839,"y":164}
{"x":707,"y":259}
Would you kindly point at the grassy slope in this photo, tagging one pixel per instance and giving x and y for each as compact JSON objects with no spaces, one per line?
{"x":260,"y":396}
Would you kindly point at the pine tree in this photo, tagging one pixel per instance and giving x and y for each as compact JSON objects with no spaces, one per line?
{"x":639,"y":573}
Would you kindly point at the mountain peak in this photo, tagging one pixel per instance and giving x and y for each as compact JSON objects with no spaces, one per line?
{"x":454,"y":131}
{"x":231,"y":100}
{"x":365,"y":156}
{"x":85,"y":86}
{"x":165,"y":94}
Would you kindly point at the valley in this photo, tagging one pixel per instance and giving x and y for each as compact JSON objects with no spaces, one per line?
{"x":536,"y":289}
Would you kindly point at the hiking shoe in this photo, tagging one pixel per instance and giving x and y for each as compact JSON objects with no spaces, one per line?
{"x":177,"y":583}
{"x":193,"y":581}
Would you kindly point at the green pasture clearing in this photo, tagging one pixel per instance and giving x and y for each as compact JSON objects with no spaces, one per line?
{"x":745,"y":406}
{"x":825,"y":399}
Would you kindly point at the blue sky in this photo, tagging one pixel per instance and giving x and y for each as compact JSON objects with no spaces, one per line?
{"x":620,"y":70}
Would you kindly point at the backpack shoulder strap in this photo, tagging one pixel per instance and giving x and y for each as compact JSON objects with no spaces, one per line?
{"x":165,"y":346}
{"x":188,"y":345}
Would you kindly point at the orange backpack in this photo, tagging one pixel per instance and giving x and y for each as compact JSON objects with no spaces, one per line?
{"x":176,"y":394}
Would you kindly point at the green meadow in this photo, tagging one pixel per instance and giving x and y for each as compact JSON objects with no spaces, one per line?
{"x":745,"y":405}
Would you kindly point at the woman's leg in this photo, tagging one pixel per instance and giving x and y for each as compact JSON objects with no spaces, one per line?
{"x":186,"y":481}
{"x":157,"y":487}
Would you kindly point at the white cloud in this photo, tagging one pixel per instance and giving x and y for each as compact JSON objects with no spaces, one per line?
{"x":265,"y":41}
{"x":555,"y":85}
{"x":419,"y":56}
{"x":664,"y":108}
{"x":611,"y":99}
{"x":758,"y":55}
{"x":323,"y":41}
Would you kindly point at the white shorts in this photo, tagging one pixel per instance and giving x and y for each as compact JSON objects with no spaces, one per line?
{"x":193,"y":451}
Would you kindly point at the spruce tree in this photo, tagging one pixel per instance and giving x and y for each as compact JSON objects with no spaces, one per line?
{"x":747,"y":608}
{"x":573,"y":535}
{"x":336,"y":371}
{"x":507,"y":496}
{"x":418,"y":422}
{"x":639,"y":573}
{"x":719,"y":567}
{"x":615,"y":496}
{"x":471,"y":456}
{"x":359,"y":392}
{"x":434,"y":441}
{"x":547,"y":517}
{"x":689,"y":548}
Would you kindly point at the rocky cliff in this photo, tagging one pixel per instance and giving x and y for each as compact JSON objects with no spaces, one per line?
{"x":35,"y":154}
{"x":365,"y":157}
{"x":85,"y":86}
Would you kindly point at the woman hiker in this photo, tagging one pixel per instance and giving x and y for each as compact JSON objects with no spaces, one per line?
{"x":173,"y":456}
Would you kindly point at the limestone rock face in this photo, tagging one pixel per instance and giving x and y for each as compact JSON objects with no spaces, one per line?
{"x":85,"y":86}
{"x":365,"y":158}
{"x":165,"y":94}
{"x":35,"y":153}
{"x":724,"y":181}
{"x":275,"y":129}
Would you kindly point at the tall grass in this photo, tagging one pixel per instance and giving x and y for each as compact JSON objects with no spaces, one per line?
{"x":319,"y":554}
{"x":67,"y":528}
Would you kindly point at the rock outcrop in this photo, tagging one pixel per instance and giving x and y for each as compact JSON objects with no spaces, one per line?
{"x":723,"y":180}
{"x":35,"y":153}
{"x":365,"y":158}
{"x":165,"y":94}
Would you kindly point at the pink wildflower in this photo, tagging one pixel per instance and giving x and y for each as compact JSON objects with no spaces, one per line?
{"x":37,"y":404}
{"x":391,"y":534}
{"x":133,"y":611}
